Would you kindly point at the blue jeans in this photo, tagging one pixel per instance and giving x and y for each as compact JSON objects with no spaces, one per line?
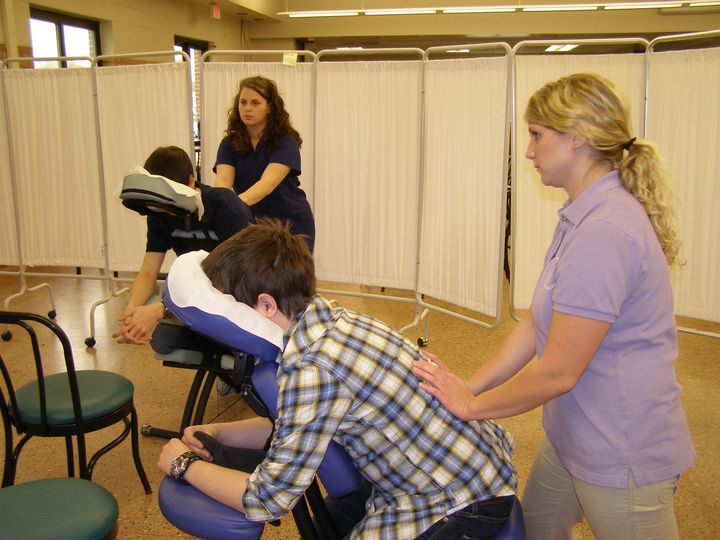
{"x":480,"y":520}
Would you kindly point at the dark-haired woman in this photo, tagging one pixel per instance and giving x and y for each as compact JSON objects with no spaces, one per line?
{"x":259,"y":158}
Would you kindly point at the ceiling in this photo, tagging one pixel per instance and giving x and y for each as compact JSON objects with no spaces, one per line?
{"x":424,"y":32}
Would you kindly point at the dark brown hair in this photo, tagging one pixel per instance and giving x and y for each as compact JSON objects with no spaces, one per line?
{"x":278,"y":120}
{"x":264,"y":258}
{"x":171,"y":162}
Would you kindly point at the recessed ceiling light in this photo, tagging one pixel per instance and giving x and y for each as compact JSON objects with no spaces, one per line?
{"x":329,"y":13}
{"x":561,"y":7}
{"x":643,"y":5}
{"x":401,"y":11}
{"x":481,"y":9}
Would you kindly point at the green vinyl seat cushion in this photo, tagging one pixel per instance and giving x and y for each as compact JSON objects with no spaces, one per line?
{"x":101,"y":392}
{"x":57,"y":508}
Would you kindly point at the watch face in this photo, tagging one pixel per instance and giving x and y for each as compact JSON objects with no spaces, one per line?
{"x":179,"y":464}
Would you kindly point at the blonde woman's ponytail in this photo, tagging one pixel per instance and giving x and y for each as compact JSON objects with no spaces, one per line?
{"x":644,"y":175}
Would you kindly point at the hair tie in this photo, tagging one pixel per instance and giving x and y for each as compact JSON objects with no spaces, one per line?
{"x":628,"y":144}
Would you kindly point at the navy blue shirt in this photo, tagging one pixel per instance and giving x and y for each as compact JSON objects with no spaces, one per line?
{"x":288,"y":200}
{"x":225,"y":214}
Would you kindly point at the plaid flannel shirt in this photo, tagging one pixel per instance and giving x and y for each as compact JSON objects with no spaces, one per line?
{"x":348,"y":377}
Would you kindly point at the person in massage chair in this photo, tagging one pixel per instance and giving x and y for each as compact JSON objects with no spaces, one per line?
{"x":346,"y":377}
{"x":224,"y":215}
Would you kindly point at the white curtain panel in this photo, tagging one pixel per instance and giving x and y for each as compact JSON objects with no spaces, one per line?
{"x":462,"y":233}
{"x":684,"y":121}
{"x":295,"y":84}
{"x":8,"y":240}
{"x":140,"y":108}
{"x":536,"y":205}
{"x":54,"y":144}
{"x":367,"y":172}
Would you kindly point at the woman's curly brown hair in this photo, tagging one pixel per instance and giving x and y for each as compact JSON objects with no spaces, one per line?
{"x":278,"y":120}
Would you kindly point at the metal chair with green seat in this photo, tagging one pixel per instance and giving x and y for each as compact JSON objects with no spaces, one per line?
{"x":58,"y":509}
{"x":66,"y":404}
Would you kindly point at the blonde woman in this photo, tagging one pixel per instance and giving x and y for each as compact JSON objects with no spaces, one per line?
{"x":598,"y":346}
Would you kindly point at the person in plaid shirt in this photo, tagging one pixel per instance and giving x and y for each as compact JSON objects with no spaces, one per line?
{"x":346,"y":377}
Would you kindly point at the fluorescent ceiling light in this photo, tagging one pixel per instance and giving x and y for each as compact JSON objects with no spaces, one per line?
{"x":561,"y":48}
{"x":458,"y":50}
{"x":329,"y":13}
{"x":644,"y":5}
{"x":402,"y":11}
{"x":481,"y":9}
{"x":349,"y":48}
{"x":561,"y":7}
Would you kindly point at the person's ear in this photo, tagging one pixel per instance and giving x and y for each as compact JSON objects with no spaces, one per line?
{"x":576,"y":141}
{"x":266,"y":305}
{"x":191,"y":181}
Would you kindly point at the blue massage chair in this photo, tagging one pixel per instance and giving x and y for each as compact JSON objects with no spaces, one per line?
{"x":253,"y":343}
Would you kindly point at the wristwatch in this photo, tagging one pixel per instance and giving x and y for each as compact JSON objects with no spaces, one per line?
{"x":180,"y":464}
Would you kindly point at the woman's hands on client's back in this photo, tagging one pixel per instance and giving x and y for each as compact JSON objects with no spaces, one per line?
{"x":448,"y":388}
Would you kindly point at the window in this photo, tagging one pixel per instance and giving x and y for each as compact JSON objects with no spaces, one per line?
{"x":54,"y":35}
{"x":194,"y":49}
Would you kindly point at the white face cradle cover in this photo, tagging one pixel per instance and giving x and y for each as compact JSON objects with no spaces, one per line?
{"x":140,"y":185}
{"x":192,"y":299}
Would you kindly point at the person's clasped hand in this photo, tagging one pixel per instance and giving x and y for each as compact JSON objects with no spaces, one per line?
{"x":137,"y":325}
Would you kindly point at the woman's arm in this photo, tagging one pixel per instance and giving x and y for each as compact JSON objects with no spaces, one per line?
{"x":273,"y":174}
{"x":571,"y":345}
{"x":225,"y":176}
{"x":514,"y":354}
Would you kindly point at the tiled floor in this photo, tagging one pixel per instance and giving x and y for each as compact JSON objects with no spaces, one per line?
{"x":160,"y":394}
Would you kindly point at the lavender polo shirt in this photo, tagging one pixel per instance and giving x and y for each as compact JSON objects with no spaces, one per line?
{"x":605,"y":263}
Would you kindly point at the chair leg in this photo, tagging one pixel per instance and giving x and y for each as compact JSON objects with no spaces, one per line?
{"x":202,"y":400}
{"x":9,"y":466}
{"x":105,"y":449}
{"x":135,"y":440}
{"x":304,"y":522}
{"x":324,"y":522}
{"x":85,"y":472}
{"x":69,"y":452}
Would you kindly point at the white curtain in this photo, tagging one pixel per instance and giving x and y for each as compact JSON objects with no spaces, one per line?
{"x":295,"y":84}
{"x":8,"y":241}
{"x":462,"y":233}
{"x":684,"y":121}
{"x":140,"y":108}
{"x":54,"y":144}
{"x":367,"y":172}
{"x":536,"y":205}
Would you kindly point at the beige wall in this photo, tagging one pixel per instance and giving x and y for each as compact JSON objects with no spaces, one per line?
{"x":129,"y":26}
